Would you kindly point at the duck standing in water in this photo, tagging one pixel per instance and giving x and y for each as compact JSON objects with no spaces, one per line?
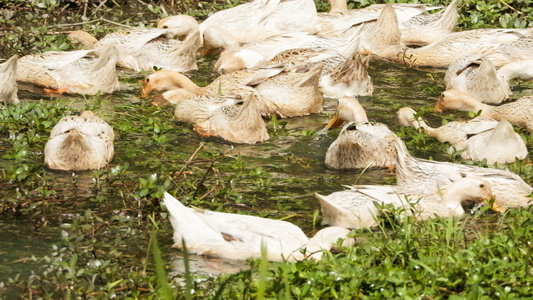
{"x":241,"y":237}
{"x":83,"y":142}
{"x":8,"y":82}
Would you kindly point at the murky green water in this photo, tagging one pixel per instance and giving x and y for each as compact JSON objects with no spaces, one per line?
{"x":276,"y":179}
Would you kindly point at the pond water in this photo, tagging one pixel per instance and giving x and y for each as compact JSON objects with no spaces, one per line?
{"x":275,"y":179}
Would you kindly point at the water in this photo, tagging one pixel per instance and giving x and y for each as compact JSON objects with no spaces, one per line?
{"x":275,"y":179}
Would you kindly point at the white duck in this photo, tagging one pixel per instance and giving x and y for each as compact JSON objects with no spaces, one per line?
{"x":234,"y":120}
{"x":81,"y":142}
{"x":241,"y":237}
{"x":476,"y":76}
{"x":477,"y":139}
{"x":260,"y":19}
{"x":146,"y":48}
{"x":71,"y":72}
{"x":356,"y":207}
{"x":8,"y":82}
{"x":343,"y":153}
{"x":384,"y":41}
{"x":518,"y":69}
{"x":519,"y":112}
{"x":426,"y":176}
{"x":258,"y":53}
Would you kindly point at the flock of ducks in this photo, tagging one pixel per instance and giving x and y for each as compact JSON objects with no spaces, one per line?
{"x":281,"y":57}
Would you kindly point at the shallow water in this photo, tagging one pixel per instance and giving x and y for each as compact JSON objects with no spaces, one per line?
{"x":275,"y":179}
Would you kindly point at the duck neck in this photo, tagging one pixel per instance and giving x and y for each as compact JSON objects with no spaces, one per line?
{"x":453,"y":197}
{"x":181,"y":81}
{"x":338,"y":6}
{"x":475,"y":105}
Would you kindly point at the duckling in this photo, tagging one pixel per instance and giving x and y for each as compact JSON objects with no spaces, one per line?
{"x":146,"y":48}
{"x":519,"y":112}
{"x":426,"y":176}
{"x":241,"y":237}
{"x":71,"y":72}
{"x":234,"y":120}
{"x":82,"y":142}
{"x":8,"y":82}
{"x":476,"y":76}
{"x":356,"y":207}
{"x":480,"y":138}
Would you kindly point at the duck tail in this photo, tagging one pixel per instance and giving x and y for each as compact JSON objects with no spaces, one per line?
{"x":10,"y":65}
{"x":188,"y":226}
{"x":386,"y":31}
{"x":108,"y":58}
{"x":448,"y":20}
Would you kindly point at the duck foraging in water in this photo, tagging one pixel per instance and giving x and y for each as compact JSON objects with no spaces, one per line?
{"x":241,"y":237}
{"x":356,"y":207}
{"x":83,"y":142}
{"x":8,"y":82}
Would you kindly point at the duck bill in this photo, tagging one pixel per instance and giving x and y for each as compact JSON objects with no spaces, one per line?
{"x":335,"y":122}
{"x":145,"y":91}
{"x":438,"y":107}
{"x":496,"y":207}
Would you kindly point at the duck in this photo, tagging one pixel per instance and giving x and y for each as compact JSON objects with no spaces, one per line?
{"x":357,"y":207}
{"x":233,"y":119}
{"x":8,"y":82}
{"x":518,"y":69}
{"x":416,"y":175}
{"x":179,"y":87}
{"x":142,"y":49}
{"x":240,"y":237}
{"x":340,"y":18}
{"x":286,"y":92}
{"x":519,"y":112}
{"x":347,"y":109}
{"x":342,"y":153}
{"x":425,"y":29}
{"x":478,"y":139}
{"x":72,"y":72}
{"x":260,"y":19}
{"x":258,"y":53}
{"x":384,"y":40}
{"x":340,"y":76}
{"x":83,"y":142}
{"x":519,"y":48}
{"x":476,"y":76}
